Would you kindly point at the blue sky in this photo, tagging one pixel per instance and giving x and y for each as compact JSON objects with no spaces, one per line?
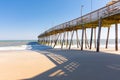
{"x":26,"y":19}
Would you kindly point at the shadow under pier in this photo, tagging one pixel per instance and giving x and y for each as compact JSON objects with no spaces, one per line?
{"x":80,"y":65}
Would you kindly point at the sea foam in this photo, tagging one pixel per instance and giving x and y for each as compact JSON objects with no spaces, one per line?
{"x":25,"y":47}
{"x":22,"y":47}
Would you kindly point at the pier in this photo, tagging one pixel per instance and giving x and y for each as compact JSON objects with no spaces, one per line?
{"x":95,"y":20}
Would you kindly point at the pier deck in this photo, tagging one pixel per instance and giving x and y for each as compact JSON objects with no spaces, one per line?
{"x":103,"y":17}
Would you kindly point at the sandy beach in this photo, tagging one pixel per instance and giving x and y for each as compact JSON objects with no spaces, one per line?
{"x":59,"y":39}
{"x":17,"y":65}
{"x":57,"y":64}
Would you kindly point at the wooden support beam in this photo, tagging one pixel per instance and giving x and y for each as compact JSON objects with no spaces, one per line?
{"x":85,"y":39}
{"x":99,"y":34}
{"x":60,"y":41}
{"x":95,"y":37}
{"x":91,"y":38}
{"x":48,"y":40}
{"x":77,"y":39}
{"x":56,"y":40}
{"x":63,"y":40}
{"x":40,"y":40}
{"x":43,"y":40}
{"x":71,"y":39}
{"x":51,"y":39}
{"x":67,"y":39}
{"x":107,"y":38}
{"x":82,"y":37}
{"x":116,"y":37}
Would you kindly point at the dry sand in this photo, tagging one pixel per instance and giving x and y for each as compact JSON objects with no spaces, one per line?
{"x":57,"y":64}
{"x":16,"y":65}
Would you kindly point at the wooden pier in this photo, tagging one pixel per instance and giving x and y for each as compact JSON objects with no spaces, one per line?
{"x":103,"y":17}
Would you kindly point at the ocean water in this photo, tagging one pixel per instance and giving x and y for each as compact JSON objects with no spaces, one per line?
{"x":21,"y":45}
{"x":5,"y":43}
{"x":33,"y":44}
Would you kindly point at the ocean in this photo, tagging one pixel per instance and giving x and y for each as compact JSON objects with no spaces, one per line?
{"x":33,"y":44}
{"x":6,"y":43}
{"x":21,"y":45}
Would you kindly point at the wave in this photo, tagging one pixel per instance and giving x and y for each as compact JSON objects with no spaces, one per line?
{"x":25,"y":47}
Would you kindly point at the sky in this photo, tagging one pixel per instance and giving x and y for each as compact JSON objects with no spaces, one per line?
{"x":26,"y":19}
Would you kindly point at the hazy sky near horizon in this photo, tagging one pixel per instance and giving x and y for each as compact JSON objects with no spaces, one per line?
{"x":26,"y":19}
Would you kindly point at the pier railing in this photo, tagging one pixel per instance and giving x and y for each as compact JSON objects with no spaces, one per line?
{"x":104,"y":12}
{"x":103,"y":17}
